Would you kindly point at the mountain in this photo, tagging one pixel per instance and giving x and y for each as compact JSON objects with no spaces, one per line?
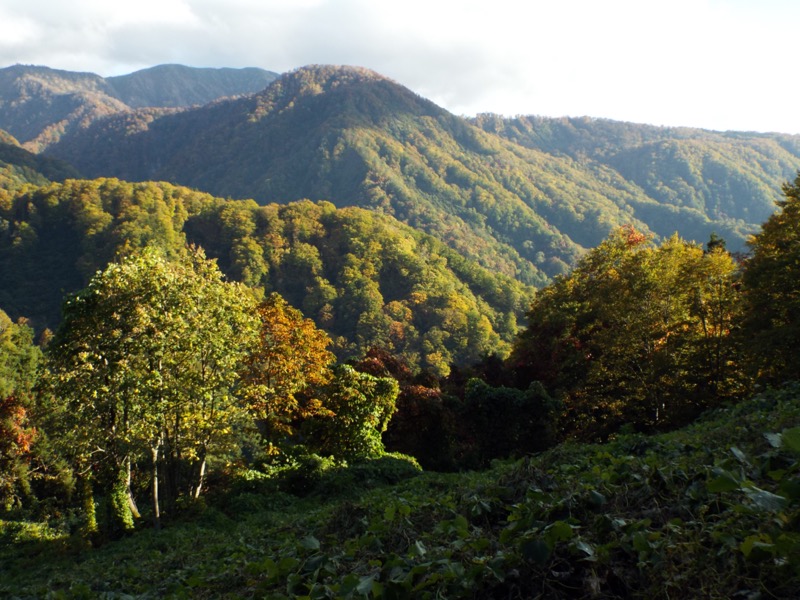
{"x":523,"y":207}
{"x":177,"y":85}
{"x":365,"y":278}
{"x":353,"y":137}
{"x":729,"y":176}
{"x":19,"y":167}
{"x":38,"y":105}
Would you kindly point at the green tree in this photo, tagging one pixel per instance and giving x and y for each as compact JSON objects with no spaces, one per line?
{"x":771,"y":326}
{"x":145,"y":361}
{"x":504,"y":421}
{"x":358,"y":409}
{"x":636,"y":334}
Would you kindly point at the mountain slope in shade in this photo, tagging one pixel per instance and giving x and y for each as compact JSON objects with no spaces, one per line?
{"x":39,"y":105}
{"x":19,"y":167}
{"x":177,"y":85}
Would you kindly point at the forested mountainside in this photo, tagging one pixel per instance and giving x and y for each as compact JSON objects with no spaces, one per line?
{"x":39,"y":104}
{"x":354,"y":137}
{"x":19,"y":167}
{"x":363,"y":277}
{"x":728,"y":176}
{"x":179,"y":85}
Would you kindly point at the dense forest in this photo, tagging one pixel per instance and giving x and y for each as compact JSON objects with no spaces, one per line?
{"x":364,"y":396}
{"x":364,"y":278}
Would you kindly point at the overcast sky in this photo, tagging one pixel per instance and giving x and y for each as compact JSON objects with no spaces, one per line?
{"x":717,"y":64}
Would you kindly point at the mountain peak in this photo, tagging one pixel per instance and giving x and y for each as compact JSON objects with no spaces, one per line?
{"x":365,"y":91}
{"x":313,"y":80}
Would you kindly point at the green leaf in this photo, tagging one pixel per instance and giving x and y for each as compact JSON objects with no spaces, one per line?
{"x":585,"y":548}
{"x":777,"y":474}
{"x":640,"y":542}
{"x":461,"y":523}
{"x":389,"y":512}
{"x":349,"y":584}
{"x":310,"y":543}
{"x":288,"y":563}
{"x":723,"y":482}
{"x":775,"y":439}
{"x":560,"y":531}
{"x":596,"y":498}
{"x":757,"y":546}
{"x":364,"y":586}
{"x":536,"y":550}
{"x":740,"y":456}
{"x":791,"y":438}
{"x":419,"y":548}
{"x":766,"y":500}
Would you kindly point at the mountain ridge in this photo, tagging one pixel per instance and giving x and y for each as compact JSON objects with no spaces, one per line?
{"x":38,"y":104}
{"x":529,"y":205}
{"x":527,"y":195}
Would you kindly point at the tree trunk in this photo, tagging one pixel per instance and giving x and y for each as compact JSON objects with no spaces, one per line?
{"x":87,"y":497}
{"x":156,"y":511}
{"x":201,"y":474}
{"x":131,"y":500}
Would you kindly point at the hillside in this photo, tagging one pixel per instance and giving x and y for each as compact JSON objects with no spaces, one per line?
{"x":729,"y":176}
{"x":19,"y":167}
{"x":177,"y":85}
{"x":353,"y":137}
{"x":363,"y":277}
{"x":38,"y":105}
{"x":708,"y":511}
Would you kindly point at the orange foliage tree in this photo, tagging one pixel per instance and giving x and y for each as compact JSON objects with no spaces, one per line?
{"x":290,"y":361}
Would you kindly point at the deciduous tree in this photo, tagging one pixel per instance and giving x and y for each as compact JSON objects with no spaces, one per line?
{"x":772,"y":292}
{"x":145,"y":361}
{"x":636,"y":334}
{"x":286,"y":368}
{"x":19,"y":358}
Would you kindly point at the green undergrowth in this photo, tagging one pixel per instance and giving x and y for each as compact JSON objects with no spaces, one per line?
{"x":710,"y":511}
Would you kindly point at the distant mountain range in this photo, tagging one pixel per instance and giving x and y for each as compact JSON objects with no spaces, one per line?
{"x":525,"y":196}
{"x":38,"y":105}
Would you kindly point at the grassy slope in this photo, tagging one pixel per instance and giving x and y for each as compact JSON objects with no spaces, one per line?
{"x":709,"y":511}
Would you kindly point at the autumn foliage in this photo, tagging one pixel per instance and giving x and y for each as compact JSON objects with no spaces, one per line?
{"x":285,"y":369}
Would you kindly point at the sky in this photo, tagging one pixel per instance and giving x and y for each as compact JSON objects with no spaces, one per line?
{"x":715,"y":64}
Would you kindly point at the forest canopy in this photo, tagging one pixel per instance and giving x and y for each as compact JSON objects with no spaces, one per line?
{"x":362,"y":277}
